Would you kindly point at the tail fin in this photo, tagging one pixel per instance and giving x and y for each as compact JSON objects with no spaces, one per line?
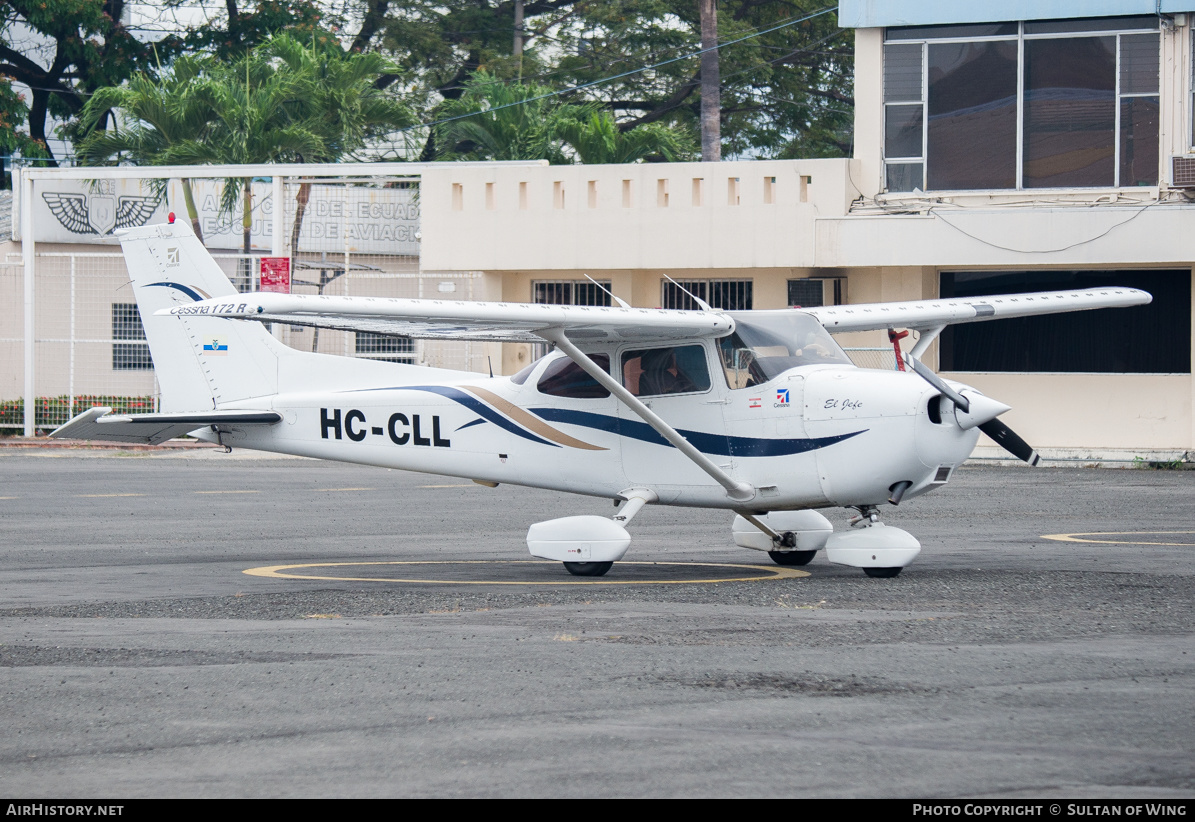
{"x":201,"y":362}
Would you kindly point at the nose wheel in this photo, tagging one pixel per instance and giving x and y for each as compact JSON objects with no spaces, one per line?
{"x":590,"y":569}
{"x":792,"y":557}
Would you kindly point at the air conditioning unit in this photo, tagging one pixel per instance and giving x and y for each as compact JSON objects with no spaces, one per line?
{"x":1183,"y":172}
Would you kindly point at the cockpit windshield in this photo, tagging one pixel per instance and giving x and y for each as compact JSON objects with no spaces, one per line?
{"x":765,"y":344}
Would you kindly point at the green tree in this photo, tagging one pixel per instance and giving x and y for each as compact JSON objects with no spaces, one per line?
{"x":343,"y":106}
{"x":597,"y":139}
{"x":157,"y":120}
{"x":257,"y":117}
{"x":13,"y":113}
{"x":785,"y":91}
{"x":64,"y":50}
{"x":493,"y":120}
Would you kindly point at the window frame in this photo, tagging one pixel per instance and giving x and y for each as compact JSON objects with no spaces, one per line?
{"x":409,"y":357}
{"x":130,"y":347}
{"x":837,"y":286}
{"x":640,"y":348}
{"x":706,"y":288}
{"x":1020,"y":37}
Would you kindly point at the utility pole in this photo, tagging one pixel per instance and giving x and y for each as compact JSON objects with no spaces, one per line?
{"x":711,"y":85}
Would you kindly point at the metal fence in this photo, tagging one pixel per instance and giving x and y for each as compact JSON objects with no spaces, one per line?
{"x":342,"y":233}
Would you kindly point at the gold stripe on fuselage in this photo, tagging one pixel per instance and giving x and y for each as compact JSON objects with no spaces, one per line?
{"x":529,"y":421}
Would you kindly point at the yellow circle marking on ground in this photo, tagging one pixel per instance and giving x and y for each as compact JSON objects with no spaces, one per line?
{"x":776,"y":572}
{"x":1079,"y":538}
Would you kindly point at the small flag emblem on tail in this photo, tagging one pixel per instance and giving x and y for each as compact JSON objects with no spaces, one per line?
{"x":215,"y":346}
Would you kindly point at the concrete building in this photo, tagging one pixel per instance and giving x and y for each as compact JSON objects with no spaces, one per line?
{"x":999,"y":147}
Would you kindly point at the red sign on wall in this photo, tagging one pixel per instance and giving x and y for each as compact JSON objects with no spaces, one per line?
{"x":275,"y":274}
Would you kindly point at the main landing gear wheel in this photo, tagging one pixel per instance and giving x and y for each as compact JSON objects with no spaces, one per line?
{"x":881,"y":573}
{"x":792,"y":557}
{"x":588,"y":569}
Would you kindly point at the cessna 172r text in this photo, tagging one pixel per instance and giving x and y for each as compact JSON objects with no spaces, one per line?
{"x":756,"y":412}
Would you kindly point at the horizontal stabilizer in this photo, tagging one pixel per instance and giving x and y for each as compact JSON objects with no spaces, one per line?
{"x":152,"y":429}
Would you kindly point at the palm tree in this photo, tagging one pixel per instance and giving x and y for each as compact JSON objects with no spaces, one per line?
{"x":597,"y":139}
{"x":158,"y":116}
{"x":343,"y":105}
{"x":493,"y":120}
{"x":258,"y":117}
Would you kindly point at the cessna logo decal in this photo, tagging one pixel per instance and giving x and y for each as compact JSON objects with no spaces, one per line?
{"x":101,"y":211}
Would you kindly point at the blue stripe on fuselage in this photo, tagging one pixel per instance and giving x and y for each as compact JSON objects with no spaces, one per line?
{"x":717,"y":444}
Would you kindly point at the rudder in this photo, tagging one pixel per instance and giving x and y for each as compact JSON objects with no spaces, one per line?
{"x":201,"y":362}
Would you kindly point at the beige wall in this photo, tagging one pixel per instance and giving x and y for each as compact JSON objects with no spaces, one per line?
{"x":673,"y":216}
{"x":869,"y":110}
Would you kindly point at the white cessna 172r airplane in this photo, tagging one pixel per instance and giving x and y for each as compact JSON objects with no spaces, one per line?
{"x":757,"y":412}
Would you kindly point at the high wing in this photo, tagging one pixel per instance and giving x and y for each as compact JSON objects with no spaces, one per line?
{"x":923,"y":315}
{"x":460,"y":320}
{"x":151,"y":429}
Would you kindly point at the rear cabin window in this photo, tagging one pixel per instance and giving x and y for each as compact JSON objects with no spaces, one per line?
{"x":658,"y":371}
{"x":564,"y":378}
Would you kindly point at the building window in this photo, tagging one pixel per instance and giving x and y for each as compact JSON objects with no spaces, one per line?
{"x":812,"y":292}
{"x":373,"y":346}
{"x":1045,"y":104}
{"x":725,"y":295}
{"x":1145,"y":339}
{"x":126,"y":325}
{"x":571,"y":292}
{"x":567,"y":292}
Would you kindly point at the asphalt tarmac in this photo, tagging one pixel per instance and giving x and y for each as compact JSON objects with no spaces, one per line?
{"x":138,"y":659}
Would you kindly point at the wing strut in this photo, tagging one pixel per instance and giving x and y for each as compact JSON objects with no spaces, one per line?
{"x":738,"y":491}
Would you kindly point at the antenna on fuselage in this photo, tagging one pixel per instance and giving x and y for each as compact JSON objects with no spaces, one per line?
{"x":618,"y":300}
{"x":700,"y":302}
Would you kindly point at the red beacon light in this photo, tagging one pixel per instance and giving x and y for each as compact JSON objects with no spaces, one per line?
{"x":170,"y":218}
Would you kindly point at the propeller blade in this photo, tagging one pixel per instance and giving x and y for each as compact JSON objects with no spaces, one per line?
{"x":933,"y":379}
{"x":1010,"y":442}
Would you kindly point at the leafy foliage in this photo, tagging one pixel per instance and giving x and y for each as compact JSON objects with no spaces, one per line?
{"x":786,"y":90}
{"x":786,"y":72}
{"x":50,"y":412}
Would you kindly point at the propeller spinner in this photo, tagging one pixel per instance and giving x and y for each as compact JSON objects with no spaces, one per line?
{"x":979,"y":412}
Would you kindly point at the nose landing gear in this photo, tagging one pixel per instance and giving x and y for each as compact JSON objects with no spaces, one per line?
{"x":879,"y":549}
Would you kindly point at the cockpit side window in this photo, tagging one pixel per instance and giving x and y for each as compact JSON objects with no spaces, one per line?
{"x":657,"y":371}
{"x":564,"y":378}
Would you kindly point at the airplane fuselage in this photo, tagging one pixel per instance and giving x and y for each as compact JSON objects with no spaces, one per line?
{"x":815,"y":436}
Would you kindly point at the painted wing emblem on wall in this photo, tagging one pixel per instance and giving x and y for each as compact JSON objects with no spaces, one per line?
{"x":134,"y":211}
{"x":71,"y":211}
